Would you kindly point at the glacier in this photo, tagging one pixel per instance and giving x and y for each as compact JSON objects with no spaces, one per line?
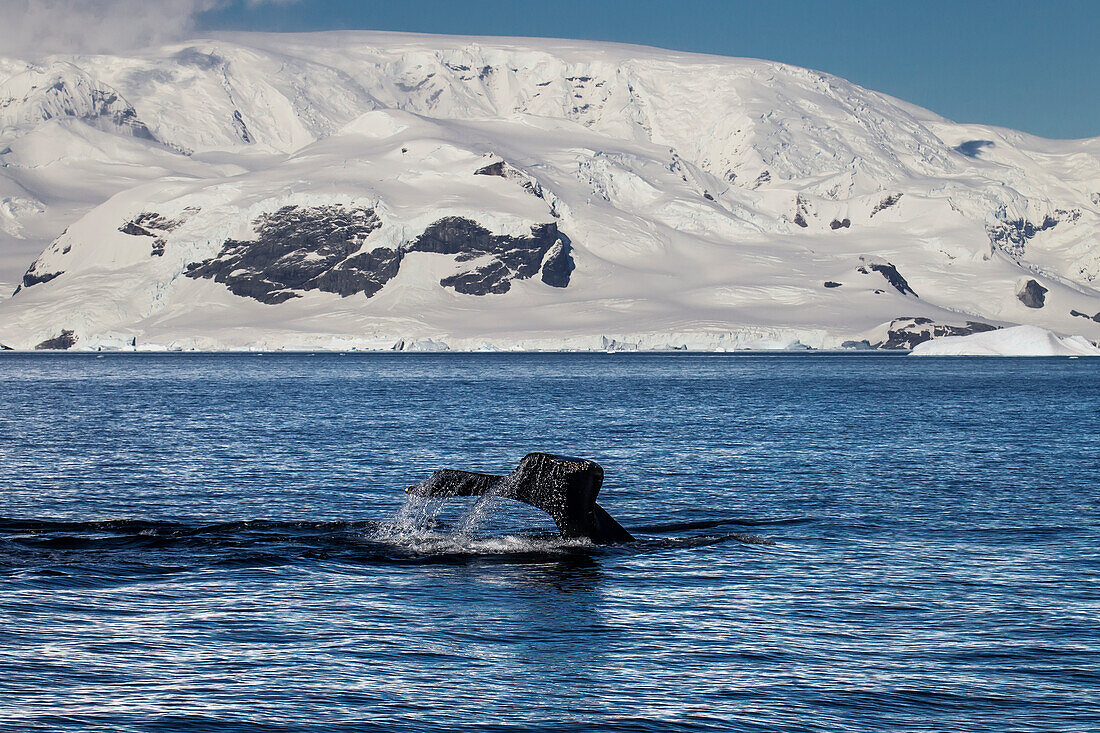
{"x":367,"y":190}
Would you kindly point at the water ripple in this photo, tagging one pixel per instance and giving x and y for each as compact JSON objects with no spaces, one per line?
{"x":221,"y":543}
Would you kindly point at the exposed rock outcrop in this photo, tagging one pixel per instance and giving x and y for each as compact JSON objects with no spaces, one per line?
{"x":1079,"y":314}
{"x":32,"y":278}
{"x":65,"y":340}
{"x":501,"y":169}
{"x":150,"y":224}
{"x":888,"y":271}
{"x":509,"y":258}
{"x":905,"y":333}
{"x":802,"y":212}
{"x":493,"y":169}
{"x":1032,"y":294}
{"x":298,"y":249}
{"x":1012,"y":235}
{"x":558,"y":266}
{"x":886,"y":203}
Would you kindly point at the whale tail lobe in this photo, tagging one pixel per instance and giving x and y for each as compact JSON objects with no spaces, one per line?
{"x":564,"y":488}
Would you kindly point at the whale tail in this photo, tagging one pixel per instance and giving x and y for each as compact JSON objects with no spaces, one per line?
{"x":564,"y":488}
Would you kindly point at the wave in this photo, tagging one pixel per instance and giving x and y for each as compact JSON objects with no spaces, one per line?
{"x":408,"y":538}
{"x":714,"y":523}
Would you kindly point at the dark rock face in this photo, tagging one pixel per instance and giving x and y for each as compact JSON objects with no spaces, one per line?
{"x":128,"y":119}
{"x":32,"y":278}
{"x":241,"y":128}
{"x":886,"y":203}
{"x":501,"y":169}
{"x":134,"y":230}
{"x":66,"y":340}
{"x":906,"y":333}
{"x":147,"y":222}
{"x":533,"y":187}
{"x":493,"y":169}
{"x":1079,"y":314}
{"x":802,"y":210}
{"x":1032,"y":294}
{"x":300,"y":249}
{"x":510,"y":258}
{"x":558,"y":265}
{"x":840,"y":224}
{"x":564,"y":488}
{"x":491,"y":279}
{"x":891,"y":274}
{"x":303,"y":249}
{"x":150,"y":224}
{"x":1012,"y":236}
{"x":364,"y":273}
{"x":831,"y":284}
{"x":108,"y":105}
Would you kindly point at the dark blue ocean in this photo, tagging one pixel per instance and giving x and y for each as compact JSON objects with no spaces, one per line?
{"x":825,"y":543}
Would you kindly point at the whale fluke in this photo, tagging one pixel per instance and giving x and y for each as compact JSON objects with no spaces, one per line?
{"x":564,"y":488}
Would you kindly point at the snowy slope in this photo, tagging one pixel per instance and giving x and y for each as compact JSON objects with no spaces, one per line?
{"x":363,"y":190}
{"x":1015,"y":341}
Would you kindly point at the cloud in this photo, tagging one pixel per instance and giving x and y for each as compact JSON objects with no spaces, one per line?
{"x":32,"y":28}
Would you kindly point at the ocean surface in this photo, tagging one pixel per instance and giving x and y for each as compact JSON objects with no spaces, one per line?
{"x":825,"y":543}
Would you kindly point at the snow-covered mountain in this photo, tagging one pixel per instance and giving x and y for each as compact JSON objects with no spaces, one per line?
{"x":367,"y":190}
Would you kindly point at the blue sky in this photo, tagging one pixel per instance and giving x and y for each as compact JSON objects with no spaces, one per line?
{"x":1033,"y":66}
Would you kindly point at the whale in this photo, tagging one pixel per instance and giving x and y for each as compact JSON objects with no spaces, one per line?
{"x":563,"y":487}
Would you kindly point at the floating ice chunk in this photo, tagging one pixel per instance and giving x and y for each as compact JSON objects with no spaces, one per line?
{"x":1015,"y":341}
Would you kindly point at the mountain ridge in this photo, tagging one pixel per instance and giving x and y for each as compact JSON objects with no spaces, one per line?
{"x":705,"y":202}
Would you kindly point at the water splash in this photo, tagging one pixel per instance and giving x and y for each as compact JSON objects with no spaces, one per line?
{"x":416,"y":518}
{"x":418,"y":527}
{"x":486,"y":506}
